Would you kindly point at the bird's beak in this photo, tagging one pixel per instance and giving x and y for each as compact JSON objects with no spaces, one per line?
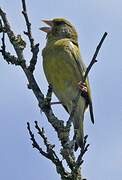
{"x":49,"y":28}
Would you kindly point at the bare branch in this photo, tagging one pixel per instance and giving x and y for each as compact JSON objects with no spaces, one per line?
{"x":6,"y":55}
{"x":34,"y":47}
{"x":28,"y":24}
{"x":17,"y":42}
{"x":95,"y":56}
{"x":34,"y":143}
{"x":3,"y":47}
{"x":49,"y":94}
{"x":41,"y":132}
{"x":33,"y":60}
{"x":50,"y":154}
{"x":82,"y":152}
{"x":54,"y":103}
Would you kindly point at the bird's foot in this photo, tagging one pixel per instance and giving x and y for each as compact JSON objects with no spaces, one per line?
{"x":82,"y":86}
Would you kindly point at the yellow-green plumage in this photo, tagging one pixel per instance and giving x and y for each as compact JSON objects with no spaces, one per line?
{"x":60,"y":65}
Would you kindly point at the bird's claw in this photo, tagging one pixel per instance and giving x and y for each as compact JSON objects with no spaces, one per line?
{"x":82,"y":86}
{"x":84,"y":91}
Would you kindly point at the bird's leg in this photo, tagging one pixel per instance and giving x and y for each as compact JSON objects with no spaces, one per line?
{"x":84,"y":92}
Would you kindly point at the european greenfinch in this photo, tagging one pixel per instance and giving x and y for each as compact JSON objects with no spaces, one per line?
{"x":64,"y":69}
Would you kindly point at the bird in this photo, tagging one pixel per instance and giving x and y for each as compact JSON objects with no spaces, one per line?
{"x":64,"y":70}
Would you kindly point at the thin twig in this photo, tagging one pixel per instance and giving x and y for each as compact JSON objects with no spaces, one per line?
{"x":7,"y":55}
{"x":50,"y":154}
{"x":49,"y":93}
{"x":17,"y":42}
{"x":34,"y":143}
{"x":94,"y":56}
{"x":3,"y":47}
{"x":28,"y":24}
{"x":34,"y":47}
{"x":80,"y":160}
{"x":82,"y":152}
{"x":54,"y":103}
{"x":41,"y":132}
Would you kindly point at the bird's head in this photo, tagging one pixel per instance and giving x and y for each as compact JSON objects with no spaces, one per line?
{"x":59,"y":28}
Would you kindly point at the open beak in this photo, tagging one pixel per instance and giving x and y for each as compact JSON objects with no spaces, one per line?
{"x":49,"y":28}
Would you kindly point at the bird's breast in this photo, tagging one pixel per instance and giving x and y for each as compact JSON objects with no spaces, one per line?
{"x":61,"y":72}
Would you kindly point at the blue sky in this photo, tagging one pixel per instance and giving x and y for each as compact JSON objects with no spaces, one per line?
{"x":18,"y":105}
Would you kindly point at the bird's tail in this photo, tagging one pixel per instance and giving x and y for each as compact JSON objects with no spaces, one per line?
{"x":78,"y":126}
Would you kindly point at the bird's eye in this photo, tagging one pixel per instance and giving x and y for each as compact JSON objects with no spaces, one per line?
{"x":65,"y":31}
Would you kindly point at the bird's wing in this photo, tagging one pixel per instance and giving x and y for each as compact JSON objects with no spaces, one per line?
{"x":74,"y":49}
